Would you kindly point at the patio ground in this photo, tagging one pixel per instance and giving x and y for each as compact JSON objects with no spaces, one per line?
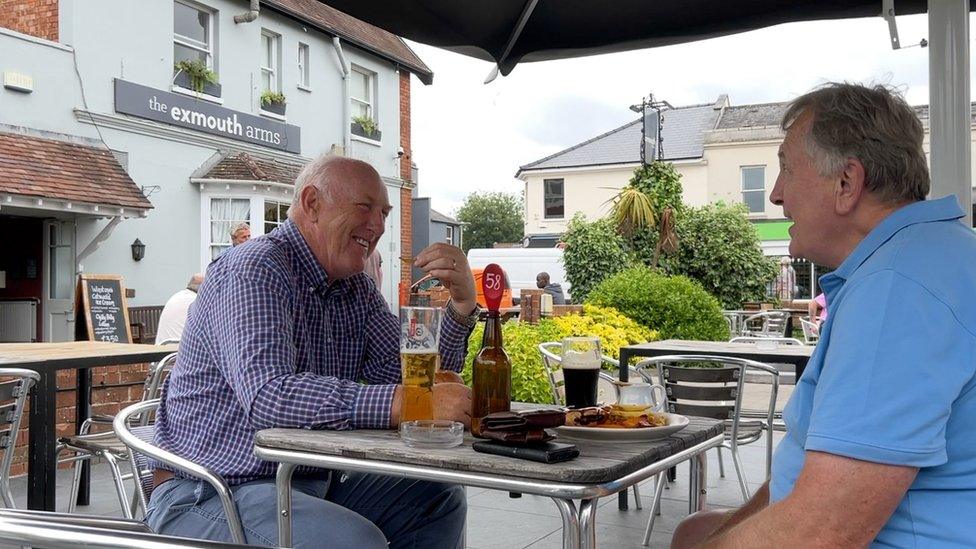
{"x":496,"y":521}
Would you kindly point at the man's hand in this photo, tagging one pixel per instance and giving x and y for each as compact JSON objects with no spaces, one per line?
{"x":447,"y":376}
{"x":452,"y":401}
{"x":448,"y":264}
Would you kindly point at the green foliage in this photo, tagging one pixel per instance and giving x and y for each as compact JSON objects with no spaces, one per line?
{"x":661,"y":183}
{"x":269,"y":97}
{"x":521,"y":340}
{"x":490,"y":218}
{"x":720,"y":249}
{"x":632,"y":211}
{"x":366,"y":123}
{"x":673,"y":305}
{"x":593,"y":252}
{"x":198,"y":72}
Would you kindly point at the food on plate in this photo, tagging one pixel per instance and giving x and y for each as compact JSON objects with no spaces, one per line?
{"x":615,"y":417}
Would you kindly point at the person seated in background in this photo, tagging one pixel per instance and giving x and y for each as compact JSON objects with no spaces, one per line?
{"x":552,"y":288}
{"x":173,"y":317}
{"x":240,"y":234}
{"x":817,"y":308}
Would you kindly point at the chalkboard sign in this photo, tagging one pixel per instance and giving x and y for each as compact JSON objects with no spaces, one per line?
{"x":103,"y":310}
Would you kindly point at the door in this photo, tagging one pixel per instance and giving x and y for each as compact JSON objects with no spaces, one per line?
{"x":57,"y":303}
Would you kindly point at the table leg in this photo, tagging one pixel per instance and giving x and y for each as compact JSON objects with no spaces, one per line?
{"x":283,"y":484}
{"x":83,"y":412}
{"x":571,"y":523}
{"x":624,"y":373}
{"x":697,"y":485}
{"x":42,"y":463}
{"x":587,"y":511}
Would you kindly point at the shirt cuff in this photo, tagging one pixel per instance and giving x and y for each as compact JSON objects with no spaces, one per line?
{"x":454,"y":344}
{"x":371,"y":409}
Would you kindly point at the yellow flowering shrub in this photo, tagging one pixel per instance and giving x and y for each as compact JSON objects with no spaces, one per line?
{"x":613,"y":328}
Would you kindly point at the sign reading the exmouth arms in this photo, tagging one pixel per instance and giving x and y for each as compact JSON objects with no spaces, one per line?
{"x":197,"y":114}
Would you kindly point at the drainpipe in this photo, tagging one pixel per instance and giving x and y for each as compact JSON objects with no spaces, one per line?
{"x":344,"y":72}
{"x":251,"y":15}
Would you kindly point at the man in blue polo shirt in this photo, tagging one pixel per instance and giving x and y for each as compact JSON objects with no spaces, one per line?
{"x":881,"y":441}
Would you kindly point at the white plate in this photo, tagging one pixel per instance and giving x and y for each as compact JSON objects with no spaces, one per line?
{"x":675,"y":423}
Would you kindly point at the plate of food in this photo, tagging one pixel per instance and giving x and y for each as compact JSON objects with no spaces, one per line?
{"x":620,"y":423}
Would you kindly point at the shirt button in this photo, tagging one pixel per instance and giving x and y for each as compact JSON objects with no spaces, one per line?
{"x":311,"y":288}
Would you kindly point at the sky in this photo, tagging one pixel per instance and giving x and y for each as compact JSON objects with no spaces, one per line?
{"x":472,"y":137}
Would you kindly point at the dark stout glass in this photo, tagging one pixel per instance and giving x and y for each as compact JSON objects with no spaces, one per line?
{"x":581,"y":386}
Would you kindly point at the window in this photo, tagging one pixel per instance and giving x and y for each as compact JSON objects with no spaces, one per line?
{"x":270,"y":46}
{"x":192,"y":34}
{"x":361,"y":84}
{"x":754,"y":188}
{"x":224,"y":214}
{"x":303,"y":76}
{"x":554,"y":198}
{"x":275,"y":213}
{"x":450,"y":235}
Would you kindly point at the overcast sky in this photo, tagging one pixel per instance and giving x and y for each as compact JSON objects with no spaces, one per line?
{"x":469,"y":136}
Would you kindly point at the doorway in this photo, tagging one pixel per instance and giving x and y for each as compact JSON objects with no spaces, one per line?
{"x":57,"y":301}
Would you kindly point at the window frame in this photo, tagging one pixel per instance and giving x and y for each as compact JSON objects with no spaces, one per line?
{"x":281,"y":217}
{"x":370,"y":101}
{"x":449,"y":238}
{"x":209,"y":244}
{"x":742,"y":187}
{"x":274,"y":70}
{"x":304,"y":72}
{"x":546,"y":197}
{"x":187,"y":42}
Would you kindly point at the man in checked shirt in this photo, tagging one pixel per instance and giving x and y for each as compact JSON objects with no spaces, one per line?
{"x":289,"y":332}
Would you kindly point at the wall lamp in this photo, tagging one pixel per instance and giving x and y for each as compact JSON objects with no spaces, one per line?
{"x":138,"y":250}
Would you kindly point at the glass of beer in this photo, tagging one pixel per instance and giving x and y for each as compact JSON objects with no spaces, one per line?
{"x":581,"y":370}
{"x":419,"y":336}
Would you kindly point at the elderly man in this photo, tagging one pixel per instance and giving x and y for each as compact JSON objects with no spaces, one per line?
{"x":240,"y":234}
{"x":173,"y":317}
{"x":288,"y":331}
{"x":881,"y":445}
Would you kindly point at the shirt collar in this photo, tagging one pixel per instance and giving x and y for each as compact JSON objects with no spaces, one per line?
{"x":306,"y":260}
{"x":924,"y":211}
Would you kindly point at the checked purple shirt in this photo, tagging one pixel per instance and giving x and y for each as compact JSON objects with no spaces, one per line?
{"x":270,"y":342}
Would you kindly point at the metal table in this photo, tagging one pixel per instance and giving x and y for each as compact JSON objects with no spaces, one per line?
{"x":602,"y":469}
{"x":46,"y":359}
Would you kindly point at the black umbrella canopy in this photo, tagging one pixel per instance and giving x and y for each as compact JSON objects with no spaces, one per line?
{"x":558,"y":29}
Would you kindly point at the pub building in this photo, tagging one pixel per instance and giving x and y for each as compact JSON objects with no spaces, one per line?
{"x":112,"y":160}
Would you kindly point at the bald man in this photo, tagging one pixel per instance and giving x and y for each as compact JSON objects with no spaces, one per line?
{"x":173,"y":317}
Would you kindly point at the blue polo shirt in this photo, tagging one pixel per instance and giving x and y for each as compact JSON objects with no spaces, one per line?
{"x":892,"y":378}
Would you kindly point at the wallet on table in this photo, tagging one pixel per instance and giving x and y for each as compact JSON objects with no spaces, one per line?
{"x":544,"y":452}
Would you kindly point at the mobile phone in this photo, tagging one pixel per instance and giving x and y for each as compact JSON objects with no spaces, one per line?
{"x":545,"y":452}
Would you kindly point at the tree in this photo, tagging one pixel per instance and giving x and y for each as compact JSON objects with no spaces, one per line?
{"x":491,"y":218}
{"x":593,"y":252}
{"x":640,"y":211}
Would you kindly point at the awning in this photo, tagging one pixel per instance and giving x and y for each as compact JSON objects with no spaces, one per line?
{"x":236,"y":166}
{"x":54,"y":175}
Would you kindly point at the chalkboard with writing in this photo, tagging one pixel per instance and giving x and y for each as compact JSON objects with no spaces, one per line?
{"x":103,"y":308}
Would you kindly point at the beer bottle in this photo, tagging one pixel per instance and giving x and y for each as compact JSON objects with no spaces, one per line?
{"x":491,"y":372}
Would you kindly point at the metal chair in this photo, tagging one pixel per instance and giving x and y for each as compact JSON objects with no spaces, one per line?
{"x":811,"y":332}
{"x":106,"y":445}
{"x":766,"y":324}
{"x":13,"y":398}
{"x":64,"y":531}
{"x":714,"y":392}
{"x":139,"y":445}
{"x":767,"y":340}
{"x":606,"y":385}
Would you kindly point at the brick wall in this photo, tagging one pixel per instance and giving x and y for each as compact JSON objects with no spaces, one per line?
{"x":406,"y":217}
{"x":113,"y":388}
{"x":34,"y":17}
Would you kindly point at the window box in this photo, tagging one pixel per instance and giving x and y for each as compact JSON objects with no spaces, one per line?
{"x":356,"y":129}
{"x":183,"y":80}
{"x":276,"y":108}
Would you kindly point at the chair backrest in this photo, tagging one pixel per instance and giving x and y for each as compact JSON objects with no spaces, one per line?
{"x":154,"y":384}
{"x":767,"y":323}
{"x":761,"y":340}
{"x":811,"y":333}
{"x":707,"y":390}
{"x":13,"y":398}
{"x":138,"y":445}
{"x":607,"y":390}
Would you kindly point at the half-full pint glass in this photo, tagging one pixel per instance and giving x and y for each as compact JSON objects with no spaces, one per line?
{"x":581,"y":370}
{"x":419,"y":336}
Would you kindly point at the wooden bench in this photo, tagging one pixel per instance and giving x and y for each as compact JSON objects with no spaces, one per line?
{"x":144,"y":322}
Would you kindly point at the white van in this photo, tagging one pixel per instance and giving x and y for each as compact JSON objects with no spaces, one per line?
{"x":522,"y":265}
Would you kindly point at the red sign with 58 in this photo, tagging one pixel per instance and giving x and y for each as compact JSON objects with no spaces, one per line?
{"x":493,"y":284}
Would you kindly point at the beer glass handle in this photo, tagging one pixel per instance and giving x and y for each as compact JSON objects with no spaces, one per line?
{"x":660,"y":398}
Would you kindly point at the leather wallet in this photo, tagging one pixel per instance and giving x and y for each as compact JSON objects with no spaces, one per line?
{"x":546,"y":452}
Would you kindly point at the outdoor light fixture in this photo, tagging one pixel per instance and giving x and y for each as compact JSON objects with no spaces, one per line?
{"x":138,"y":250}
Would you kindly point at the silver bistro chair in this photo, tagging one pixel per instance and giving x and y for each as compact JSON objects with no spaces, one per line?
{"x":766,"y":324}
{"x":13,"y":398}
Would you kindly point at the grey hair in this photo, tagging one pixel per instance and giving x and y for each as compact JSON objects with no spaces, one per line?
{"x":874,"y":125}
{"x":316,"y":173}
{"x":195,"y":282}
{"x":238,"y":228}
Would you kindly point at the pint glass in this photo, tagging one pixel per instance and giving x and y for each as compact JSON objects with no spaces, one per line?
{"x":419,"y":336}
{"x":581,"y":370}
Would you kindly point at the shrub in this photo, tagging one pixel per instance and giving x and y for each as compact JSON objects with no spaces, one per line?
{"x":593,"y":252}
{"x":661,"y":183}
{"x":614,"y":329}
{"x":674,"y":306}
{"x":720,"y":249}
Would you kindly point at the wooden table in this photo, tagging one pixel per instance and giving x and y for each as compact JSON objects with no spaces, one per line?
{"x":603,"y":468}
{"x":46,"y":359}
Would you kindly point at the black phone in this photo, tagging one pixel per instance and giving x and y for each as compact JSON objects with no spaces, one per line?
{"x":544,"y":452}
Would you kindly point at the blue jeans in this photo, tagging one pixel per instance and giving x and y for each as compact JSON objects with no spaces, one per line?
{"x":354,"y":511}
